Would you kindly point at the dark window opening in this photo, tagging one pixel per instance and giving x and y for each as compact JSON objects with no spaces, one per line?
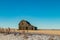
{"x":22,"y":23}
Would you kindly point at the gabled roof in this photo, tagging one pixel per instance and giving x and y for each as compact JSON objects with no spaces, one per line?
{"x":24,"y":21}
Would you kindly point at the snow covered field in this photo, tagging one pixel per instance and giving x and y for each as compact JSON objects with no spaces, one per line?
{"x":28,"y":37}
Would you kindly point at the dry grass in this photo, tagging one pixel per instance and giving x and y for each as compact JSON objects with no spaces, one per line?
{"x":49,"y":32}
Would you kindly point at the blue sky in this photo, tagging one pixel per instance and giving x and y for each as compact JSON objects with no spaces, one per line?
{"x":44,"y":14}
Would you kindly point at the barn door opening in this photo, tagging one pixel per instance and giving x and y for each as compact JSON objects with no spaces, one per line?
{"x":26,"y":28}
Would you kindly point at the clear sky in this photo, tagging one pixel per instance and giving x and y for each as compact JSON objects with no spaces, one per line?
{"x":44,"y":14}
